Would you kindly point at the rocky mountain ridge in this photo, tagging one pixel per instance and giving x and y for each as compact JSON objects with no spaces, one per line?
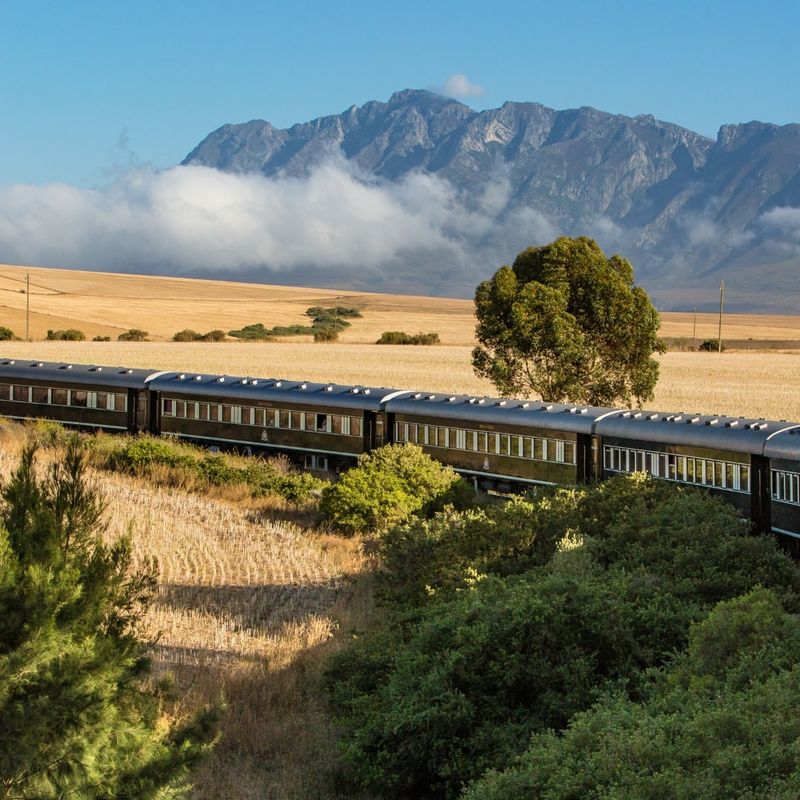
{"x":686,"y":209}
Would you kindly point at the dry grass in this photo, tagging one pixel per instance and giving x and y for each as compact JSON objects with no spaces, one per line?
{"x":106,"y":304}
{"x":752,"y":384}
{"x":250,"y":607}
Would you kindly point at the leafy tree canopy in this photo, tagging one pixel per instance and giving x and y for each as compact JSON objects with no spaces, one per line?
{"x":568,"y":324}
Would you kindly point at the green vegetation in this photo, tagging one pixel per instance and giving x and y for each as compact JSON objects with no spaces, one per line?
{"x":101,"y":339}
{"x":78,"y":717}
{"x":400,"y":337}
{"x":6,"y":334}
{"x":69,"y":335}
{"x":529,"y":649}
{"x":389,"y":485}
{"x":196,"y":468}
{"x":711,"y":346}
{"x":568,"y":324}
{"x":326,"y":322}
{"x":188,"y":335}
{"x":133,"y":335}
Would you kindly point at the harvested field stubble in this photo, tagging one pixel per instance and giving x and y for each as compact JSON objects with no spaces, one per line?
{"x":751,"y":384}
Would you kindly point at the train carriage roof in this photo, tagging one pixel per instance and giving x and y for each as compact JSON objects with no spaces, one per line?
{"x":784,"y":444}
{"x":460,"y":408}
{"x":735,"y":434}
{"x":274,"y":390}
{"x":56,"y":372}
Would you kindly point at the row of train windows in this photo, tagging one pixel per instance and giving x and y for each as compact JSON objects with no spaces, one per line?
{"x":786,"y":487}
{"x":671,"y":467}
{"x":263,"y":417}
{"x":503,"y":444}
{"x":106,"y":401}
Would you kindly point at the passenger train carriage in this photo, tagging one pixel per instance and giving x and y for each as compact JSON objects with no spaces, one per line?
{"x":497,"y":443}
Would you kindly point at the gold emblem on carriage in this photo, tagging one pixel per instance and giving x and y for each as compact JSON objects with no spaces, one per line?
{"x":264,"y":437}
{"x":486,"y":463}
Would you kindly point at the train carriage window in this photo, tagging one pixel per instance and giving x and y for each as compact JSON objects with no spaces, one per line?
{"x":5,"y":391}
{"x":336,"y":425}
{"x":729,"y":476}
{"x":680,"y":468}
{"x":606,"y":458}
{"x":21,"y":394}
{"x":167,"y":406}
{"x":78,"y":397}
{"x":191,"y":410}
{"x":259,"y":417}
{"x":58,"y":397}
{"x":120,"y":402}
{"x":297,"y":420}
{"x":453,"y":437}
{"x":412,"y":433}
{"x":401,"y":431}
{"x":346,"y":426}
{"x":516,"y":446}
{"x":323,"y":423}
{"x":671,"y":464}
{"x":311,"y":422}
{"x":180,"y":408}
{"x":355,"y":426}
{"x":483,"y":442}
{"x":538,"y":449}
{"x":744,"y":478}
{"x":471,"y":440}
{"x":283,"y":418}
{"x":99,"y":400}
{"x":569,"y":453}
{"x":560,"y":451}
{"x":527,"y":447}
{"x":795,"y":488}
{"x":226,"y":413}
{"x":719,"y":474}
{"x":40,"y":394}
{"x":690,"y":476}
{"x":638,"y":460}
{"x":203,"y":411}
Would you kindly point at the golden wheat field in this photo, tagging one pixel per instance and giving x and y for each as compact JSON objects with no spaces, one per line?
{"x":107,"y":304}
{"x":736,"y":383}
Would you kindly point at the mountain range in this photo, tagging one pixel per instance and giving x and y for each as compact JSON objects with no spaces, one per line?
{"x":687,"y":210}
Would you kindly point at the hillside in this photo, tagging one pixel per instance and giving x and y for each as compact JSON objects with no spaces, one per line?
{"x":687,"y":210}
{"x":107,"y":304}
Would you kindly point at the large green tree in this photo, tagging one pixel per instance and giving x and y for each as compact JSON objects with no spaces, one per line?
{"x":567,"y":323}
{"x":78,"y":716}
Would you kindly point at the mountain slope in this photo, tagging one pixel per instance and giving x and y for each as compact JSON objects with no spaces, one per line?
{"x":686,"y":209}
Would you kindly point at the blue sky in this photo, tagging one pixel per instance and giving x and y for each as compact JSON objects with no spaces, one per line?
{"x":87,"y":88}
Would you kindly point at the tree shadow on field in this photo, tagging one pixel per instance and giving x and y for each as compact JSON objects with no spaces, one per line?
{"x":265,"y":607}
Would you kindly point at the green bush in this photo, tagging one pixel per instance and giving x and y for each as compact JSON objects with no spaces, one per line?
{"x":186,"y":335}
{"x":710,"y":346}
{"x":506,"y":622}
{"x":326,"y":335}
{"x":133,"y":335}
{"x":400,"y":337}
{"x":6,"y":334}
{"x":69,"y":335}
{"x":255,"y":332}
{"x":716,"y":723}
{"x":216,"y":335}
{"x":138,"y":453}
{"x":101,"y":339}
{"x":386,"y":487}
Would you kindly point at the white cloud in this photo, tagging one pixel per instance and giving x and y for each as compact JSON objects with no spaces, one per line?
{"x":459,"y":85}
{"x":196,"y":220}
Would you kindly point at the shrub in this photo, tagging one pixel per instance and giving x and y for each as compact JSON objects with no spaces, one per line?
{"x":255,"y":332}
{"x":186,"y":335}
{"x":133,"y":335}
{"x":710,"y":346}
{"x":69,"y":335}
{"x":326,"y":335}
{"x":216,"y":335}
{"x":101,"y":339}
{"x":400,"y":337}
{"x":386,"y":487}
{"x":140,"y":452}
{"x":6,"y":334}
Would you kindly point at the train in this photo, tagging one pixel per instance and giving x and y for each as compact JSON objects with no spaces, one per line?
{"x":498,"y":443}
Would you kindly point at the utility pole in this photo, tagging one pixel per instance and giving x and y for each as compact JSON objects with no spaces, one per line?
{"x":721,"y":303}
{"x":27,"y":306}
{"x":694,"y":330}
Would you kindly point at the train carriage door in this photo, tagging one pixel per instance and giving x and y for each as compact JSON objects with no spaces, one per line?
{"x":138,"y":405}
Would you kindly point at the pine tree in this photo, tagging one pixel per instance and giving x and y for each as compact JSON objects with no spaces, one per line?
{"x":78,"y":715}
